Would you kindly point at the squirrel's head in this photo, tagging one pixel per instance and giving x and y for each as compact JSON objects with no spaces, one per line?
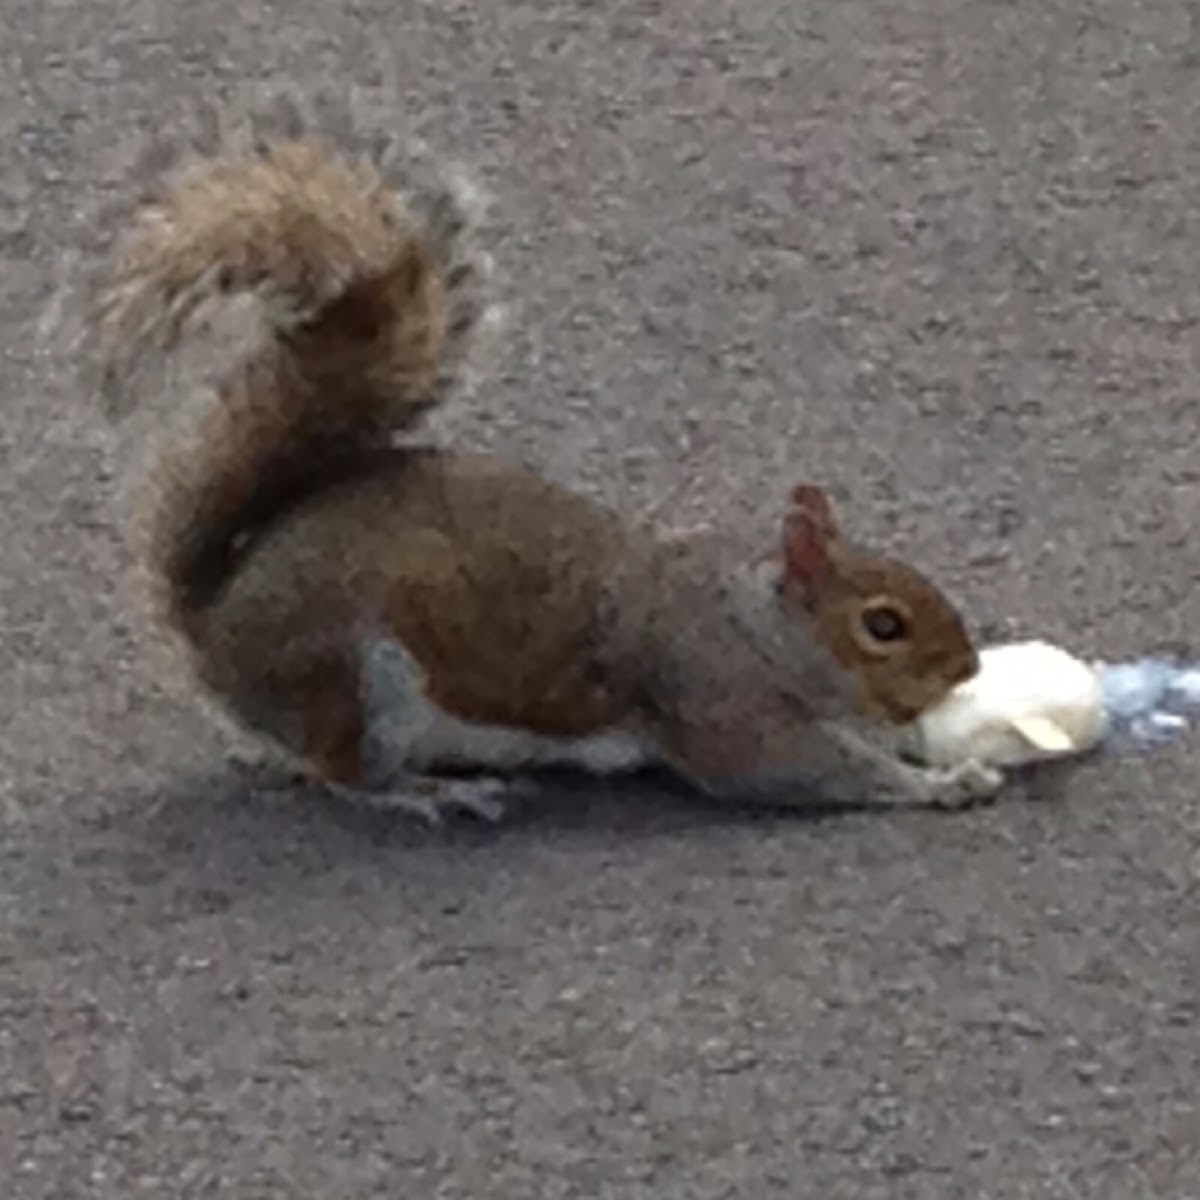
{"x":894,"y":633}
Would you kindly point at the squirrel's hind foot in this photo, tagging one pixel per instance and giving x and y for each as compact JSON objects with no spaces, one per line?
{"x":432,"y":800}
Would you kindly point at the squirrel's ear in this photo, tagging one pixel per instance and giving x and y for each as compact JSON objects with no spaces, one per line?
{"x":808,"y":530}
{"x":814,"y":503}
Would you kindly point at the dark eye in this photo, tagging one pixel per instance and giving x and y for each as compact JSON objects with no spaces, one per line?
{"x":884,"y":624}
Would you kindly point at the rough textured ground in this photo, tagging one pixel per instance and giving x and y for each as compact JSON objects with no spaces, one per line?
{"x":945,"y":257}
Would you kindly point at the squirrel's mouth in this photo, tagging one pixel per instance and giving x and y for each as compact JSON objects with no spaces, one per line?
{"x":891,"y":709}
{"x":904,"y":714}
{"x":969,"y":670}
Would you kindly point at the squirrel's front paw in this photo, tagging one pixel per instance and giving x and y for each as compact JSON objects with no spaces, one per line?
{"x":963,"y":785}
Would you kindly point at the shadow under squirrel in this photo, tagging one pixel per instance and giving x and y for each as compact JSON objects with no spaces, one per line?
{"x":351,"y":596}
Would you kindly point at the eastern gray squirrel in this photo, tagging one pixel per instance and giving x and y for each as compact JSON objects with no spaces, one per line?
{"x":335,"y":586}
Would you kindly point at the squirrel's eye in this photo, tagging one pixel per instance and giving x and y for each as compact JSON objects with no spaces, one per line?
{"x":884,"y":624}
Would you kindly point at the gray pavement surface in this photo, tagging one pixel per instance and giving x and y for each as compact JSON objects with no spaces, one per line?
{"x":943,"y":257}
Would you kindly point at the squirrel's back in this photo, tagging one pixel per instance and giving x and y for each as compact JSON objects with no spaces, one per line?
{"x":367,"y":285}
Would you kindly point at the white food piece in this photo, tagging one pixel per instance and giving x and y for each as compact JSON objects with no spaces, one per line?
{"x":1029,"y":702}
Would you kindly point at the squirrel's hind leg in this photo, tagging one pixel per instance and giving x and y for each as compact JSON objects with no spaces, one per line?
{"x":394,"y":716}
{"x":347,"y":713}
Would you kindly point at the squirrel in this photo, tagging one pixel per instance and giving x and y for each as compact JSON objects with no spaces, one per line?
{"x":337,"y":583}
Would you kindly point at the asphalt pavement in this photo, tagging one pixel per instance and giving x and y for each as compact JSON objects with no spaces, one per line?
{"x":944,"y":258}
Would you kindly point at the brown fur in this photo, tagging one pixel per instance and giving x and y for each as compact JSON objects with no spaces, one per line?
{"x":287,"y":534}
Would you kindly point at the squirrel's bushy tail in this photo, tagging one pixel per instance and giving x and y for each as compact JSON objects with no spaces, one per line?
{"x":365,"y":287}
